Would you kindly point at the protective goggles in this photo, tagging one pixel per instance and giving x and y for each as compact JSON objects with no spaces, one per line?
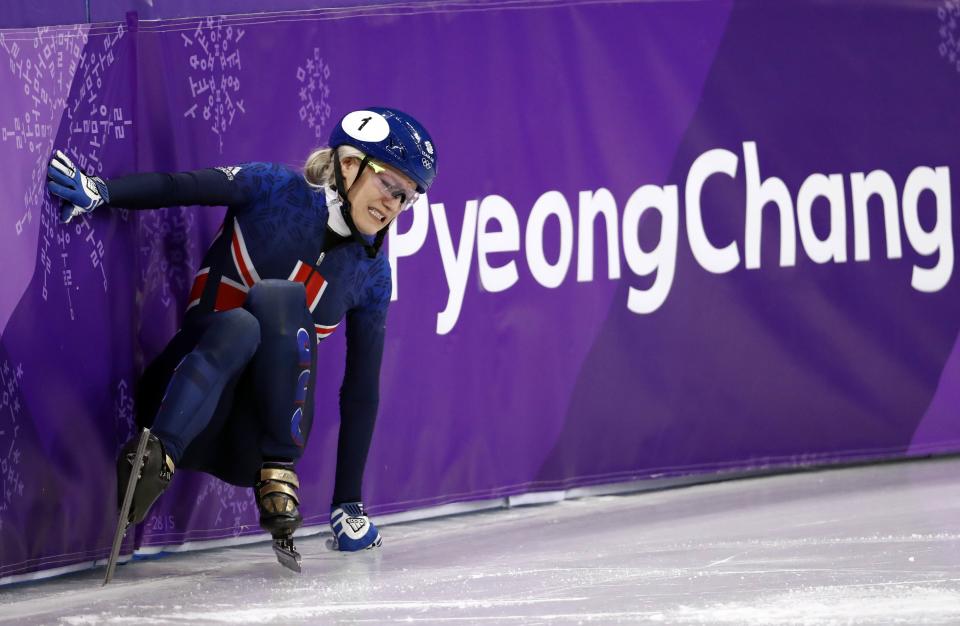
{"x":391,"y":185}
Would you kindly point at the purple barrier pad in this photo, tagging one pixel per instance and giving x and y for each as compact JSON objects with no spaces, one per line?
{"x":697,"y":333}
{"x":28,"y":13}
{"x":113,"y":10}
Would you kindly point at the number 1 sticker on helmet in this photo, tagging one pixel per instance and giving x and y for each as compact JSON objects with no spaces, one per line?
{"x":366,"y":126}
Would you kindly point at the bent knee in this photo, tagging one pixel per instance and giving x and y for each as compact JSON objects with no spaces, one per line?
{"x":234,"y":338}
{"x":278,"y":305}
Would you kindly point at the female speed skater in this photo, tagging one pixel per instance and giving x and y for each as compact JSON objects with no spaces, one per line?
{"x":232,"y":393}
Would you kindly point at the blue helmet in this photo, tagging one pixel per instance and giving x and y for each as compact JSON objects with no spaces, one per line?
{"x":391,"y":137}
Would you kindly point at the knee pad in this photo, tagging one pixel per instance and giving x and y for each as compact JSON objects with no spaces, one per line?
{"x":231,"y":341}
{"x":278,"y":305}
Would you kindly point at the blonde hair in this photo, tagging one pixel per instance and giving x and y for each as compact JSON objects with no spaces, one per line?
{"x":318,"y":170}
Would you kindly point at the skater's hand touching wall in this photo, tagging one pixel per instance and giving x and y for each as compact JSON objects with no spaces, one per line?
{"x":80,"y":193}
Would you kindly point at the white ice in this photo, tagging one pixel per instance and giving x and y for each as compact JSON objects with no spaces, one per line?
{"x":863,"y":545}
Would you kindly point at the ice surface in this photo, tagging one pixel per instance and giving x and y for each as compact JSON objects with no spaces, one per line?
{"x":864,"y":545}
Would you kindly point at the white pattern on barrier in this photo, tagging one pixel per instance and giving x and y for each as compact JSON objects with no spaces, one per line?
{"x":46,"y":69}
{"x":314,"y":92}
{"x":214,"y":76}
{"x":59,"y":60}
{"x":167,"y":253}
{"x":126,"y":426}
{"x":234,"y":505}
{"x":949,"y":14}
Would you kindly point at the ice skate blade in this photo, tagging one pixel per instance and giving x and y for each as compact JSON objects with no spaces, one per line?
{"x":287,"y":555}
{"x":123,"y":522}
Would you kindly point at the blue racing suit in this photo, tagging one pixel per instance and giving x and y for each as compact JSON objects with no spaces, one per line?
{"x":234,"y":387}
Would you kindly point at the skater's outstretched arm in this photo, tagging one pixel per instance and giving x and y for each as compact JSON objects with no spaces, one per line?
{"x":82,"y":193}
{"x":359,"y":398}
{"x":206,"y":187}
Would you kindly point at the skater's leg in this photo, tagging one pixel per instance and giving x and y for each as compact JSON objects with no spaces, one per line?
{"x":224,"y":349}
{"x":282,"y":373}
{"x":213,"y":450}
{"x":283,"y":367}
{"x":155,"y":379}
{"x":226,"y":342}
{"x":229,"y":447}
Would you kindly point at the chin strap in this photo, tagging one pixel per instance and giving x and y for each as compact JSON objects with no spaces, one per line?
{"x":345,"y":208}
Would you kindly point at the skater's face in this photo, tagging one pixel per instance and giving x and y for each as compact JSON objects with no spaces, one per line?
{"x":377,"y":196}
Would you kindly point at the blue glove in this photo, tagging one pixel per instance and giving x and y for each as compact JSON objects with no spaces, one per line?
{"x":352,"y":529}
{"x":80,"y":193}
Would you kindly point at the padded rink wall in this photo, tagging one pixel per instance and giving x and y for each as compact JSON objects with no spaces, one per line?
{"x":667,"y":239}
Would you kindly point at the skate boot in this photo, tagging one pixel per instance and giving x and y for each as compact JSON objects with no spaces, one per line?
{"x":352,"y":529}
{"x":278,"y":502}
{"x":144,"y":471}
{"x":155,"y":476}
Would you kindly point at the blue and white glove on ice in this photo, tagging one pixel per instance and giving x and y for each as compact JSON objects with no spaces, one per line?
{"x":352,"y":529}
{"x":80,"y":193}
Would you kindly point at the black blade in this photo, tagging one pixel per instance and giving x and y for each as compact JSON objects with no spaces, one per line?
{"x":123,"y":521}
{"x":287,"y":555}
